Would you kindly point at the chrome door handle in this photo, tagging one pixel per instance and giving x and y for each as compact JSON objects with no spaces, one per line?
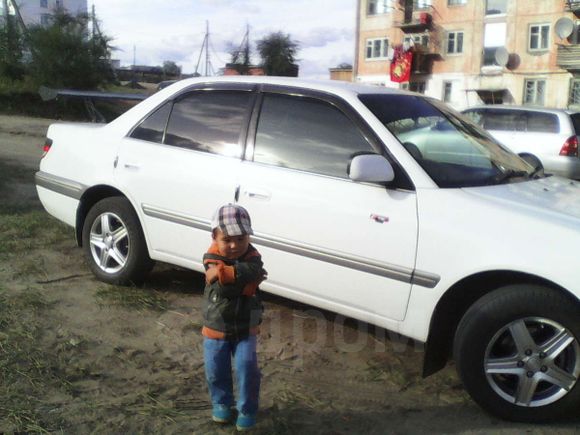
{"x":258,"y":194}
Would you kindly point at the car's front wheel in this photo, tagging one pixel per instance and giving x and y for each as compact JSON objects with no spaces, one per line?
{"x":518,"y":353}
{"x":114,"y":244}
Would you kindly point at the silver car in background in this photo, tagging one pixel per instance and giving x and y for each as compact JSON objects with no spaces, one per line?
{"x":535,"y":133}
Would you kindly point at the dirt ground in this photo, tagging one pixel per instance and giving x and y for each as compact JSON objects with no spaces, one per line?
{"x":79,"y":356}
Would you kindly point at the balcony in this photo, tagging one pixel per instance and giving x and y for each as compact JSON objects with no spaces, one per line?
{"x":429,"y":46}
{"x":418,"y":22}
{"x":422,"y":64}
{"x":573,"y":6}
{"x":568,"y":57}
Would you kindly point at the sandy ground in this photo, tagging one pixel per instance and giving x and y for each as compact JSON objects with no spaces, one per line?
{"x":84,"y":357}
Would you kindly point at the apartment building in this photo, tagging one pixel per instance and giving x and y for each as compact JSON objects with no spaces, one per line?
{"x":468,"y":52}
{"x":40,"y":11}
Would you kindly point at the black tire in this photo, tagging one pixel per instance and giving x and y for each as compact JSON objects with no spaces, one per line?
{"x":494,"y":336}
{"x":117,"y":254}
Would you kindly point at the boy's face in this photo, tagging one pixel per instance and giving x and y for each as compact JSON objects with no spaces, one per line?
{"x":231,"y":247}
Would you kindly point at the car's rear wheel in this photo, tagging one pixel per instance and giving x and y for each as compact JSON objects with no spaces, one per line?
{"x":534,"y":162}
{"x":518,"y":353}
{"x":114,"y":244}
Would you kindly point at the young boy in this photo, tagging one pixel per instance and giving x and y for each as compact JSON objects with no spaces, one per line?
{"x":232,"y":312}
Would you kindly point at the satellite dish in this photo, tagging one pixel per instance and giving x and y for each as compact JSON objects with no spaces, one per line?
{"x":501,"y":56}
{"x":564,"y":27}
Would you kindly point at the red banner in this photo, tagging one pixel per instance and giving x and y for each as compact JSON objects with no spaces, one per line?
{"x":401,"y":65}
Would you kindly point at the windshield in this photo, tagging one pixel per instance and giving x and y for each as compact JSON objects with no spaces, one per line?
{"x":450,"y":148}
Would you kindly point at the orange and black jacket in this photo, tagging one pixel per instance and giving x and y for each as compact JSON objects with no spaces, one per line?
{"x":232,"y":308}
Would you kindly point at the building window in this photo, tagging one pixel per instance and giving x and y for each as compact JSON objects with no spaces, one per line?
{"x":534,"y":91}
{"x":423,"y":4}
{"x":376,"y":7}
{"x":575,"y":36}
{"x":539,"y":37}
{"x":456,"y":2}
{"x":59,"y":4}
{"x":377,"y":48}
{"x":494,"y":37}
{"x":575,"y":92}
{"x":495,"y":7}
{"x":454,"y":42}
{"x":43,"y":3}
{"x":447,"y":86}
{"x":45,"y":19}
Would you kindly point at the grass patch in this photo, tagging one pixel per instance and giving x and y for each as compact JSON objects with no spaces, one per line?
{"x":131,"y":297}
{"x":15,"y":173}
{"x":20,"y":233}
{"x":17,"y":198}
{"x":25,"y":370}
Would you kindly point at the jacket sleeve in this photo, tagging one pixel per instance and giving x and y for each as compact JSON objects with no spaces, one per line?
{"x":243,"y":273}
{"x":250,"y":271}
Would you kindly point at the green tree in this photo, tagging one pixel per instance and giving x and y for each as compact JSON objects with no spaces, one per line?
{"x":170,"y":68}
{"x":11,"y":50}
{"x":64,"y":54}
{"x":278,"y":54}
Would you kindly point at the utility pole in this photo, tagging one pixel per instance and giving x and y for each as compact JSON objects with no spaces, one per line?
{"x":18,"y":16}
{"x":134,"y":79}
{"x":5,"y":10}
{"x":207,"y":62}
{"x":94,"y":22}
{"x":204,"y":46}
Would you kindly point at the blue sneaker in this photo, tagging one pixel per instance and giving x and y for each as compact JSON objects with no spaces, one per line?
{"x":221,"y":414}
{"x":245,"y":422}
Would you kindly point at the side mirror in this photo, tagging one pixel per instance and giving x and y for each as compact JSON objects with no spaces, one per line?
{"x":371,"y":168}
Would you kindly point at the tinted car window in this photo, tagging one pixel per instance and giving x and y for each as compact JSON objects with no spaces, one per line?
{"x":543,"y":122}
{"x":505,"y":120}
{"x":475,"y":116}
{"x":307,"y":134}
{"x":153,"y":127}
{"x":575,"y":117}
{"x":209,"y":121}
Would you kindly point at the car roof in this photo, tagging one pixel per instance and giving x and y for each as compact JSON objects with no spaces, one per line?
{"x":333,"y":86}
{"x":522,"y":108}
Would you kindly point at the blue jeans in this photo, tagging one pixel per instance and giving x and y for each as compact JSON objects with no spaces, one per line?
{"x":217,"y":356}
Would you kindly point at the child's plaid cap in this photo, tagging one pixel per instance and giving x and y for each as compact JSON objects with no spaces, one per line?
{"x":233,"y":220}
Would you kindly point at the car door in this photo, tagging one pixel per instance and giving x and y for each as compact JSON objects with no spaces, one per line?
{"x":180,"y":164}
{"x":326,"y":240}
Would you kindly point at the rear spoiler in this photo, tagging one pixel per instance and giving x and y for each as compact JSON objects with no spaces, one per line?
{"x":48,"y":94}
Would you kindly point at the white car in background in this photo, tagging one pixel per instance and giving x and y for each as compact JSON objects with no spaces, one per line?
{"x":551,"y":136}
{"x":381,"y":205}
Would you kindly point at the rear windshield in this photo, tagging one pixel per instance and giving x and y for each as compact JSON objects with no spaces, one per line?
{"x":515,"y":120}
{"x":575,"y":117}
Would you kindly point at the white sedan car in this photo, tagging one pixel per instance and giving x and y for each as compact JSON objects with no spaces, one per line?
{"x":381,"y":205}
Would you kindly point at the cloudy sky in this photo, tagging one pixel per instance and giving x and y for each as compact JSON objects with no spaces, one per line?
{"x":174,"y":29}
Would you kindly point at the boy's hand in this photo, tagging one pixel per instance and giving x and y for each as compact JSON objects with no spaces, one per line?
{"x":211,"y":274}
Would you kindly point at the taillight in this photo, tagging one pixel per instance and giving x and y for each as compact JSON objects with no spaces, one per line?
{"x":570,"y":147}
{"x":46,"y":147}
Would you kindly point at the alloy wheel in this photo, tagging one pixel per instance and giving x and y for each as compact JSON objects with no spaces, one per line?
{"x":532,"y":362}
{"x":109,"y":242}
